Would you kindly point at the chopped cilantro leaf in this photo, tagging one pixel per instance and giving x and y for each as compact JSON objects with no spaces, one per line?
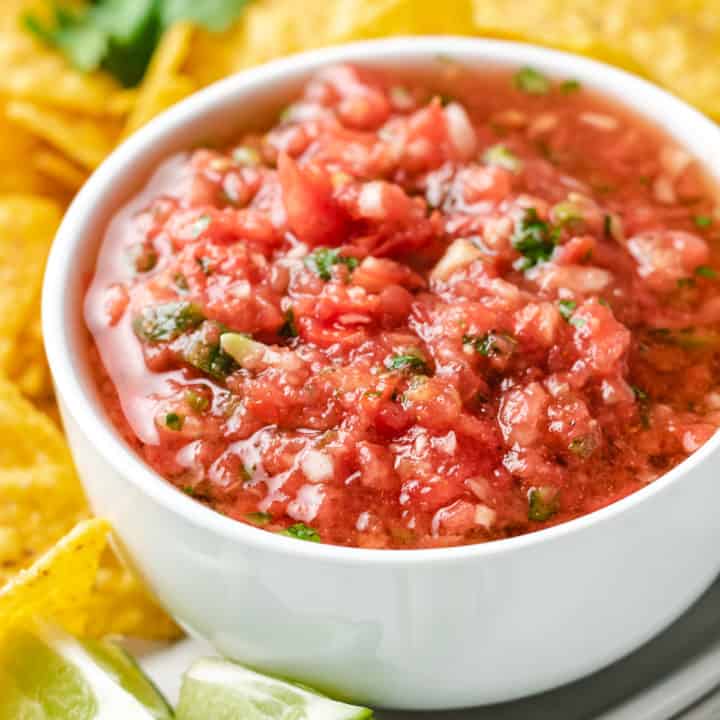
{"x":490,"y":344}
{"x":289,"y":328}
{"x":189,"y":490}
{"x":173,"y":421}
{"x":302,"y":532}
{"x":706,"y":271}
{"x":570,"y":85}
{"x":165,"y":322}
{"x":531,"y":81}
{"x":542,"y":503}
{"x":535,"y":239}
{"x":640,"y":394}
{"x":703,"y":221}
{"x":577,"y":321}
{"x":323,"y":259}
{"x":566,"y":308}
{"x":120,"y":37}
{"x":409,"y":361}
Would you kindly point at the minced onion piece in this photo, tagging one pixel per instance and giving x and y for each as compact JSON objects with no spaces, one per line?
{"x":599,"y":121}
{"x":461,"y":131}
{"x":317,"y":466}
{"x":484,"y":516}
{"x":459,"y":254}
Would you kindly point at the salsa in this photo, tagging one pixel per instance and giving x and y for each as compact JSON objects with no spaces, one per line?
{"x":416,"y":311}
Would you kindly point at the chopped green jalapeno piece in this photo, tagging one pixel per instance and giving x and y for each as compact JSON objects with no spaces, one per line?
{"x":197,"y":401}
{"x":300,"y":531}
{"x":566,"y":308}
{"x":259,"y":518}
{"x":567,"y":212}
{"x":411,"y":362}
{"x":322,"y":260}
{"x":534,"y":239}
{"x":203,"y":352}
{"x":531,"y":81}
{"x":165,"y":322}
{"x":542,"y":503}
{"x":500,"y":156}
{"x":173,"y":421}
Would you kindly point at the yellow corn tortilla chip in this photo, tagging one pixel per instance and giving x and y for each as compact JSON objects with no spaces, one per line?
{"x":27,"y":366}
{"x":58,"y":167}
{"x":41,"y":501}
{"x":669,"y":42}
{"x":27,"y":227}
{"x":163,"y":85}
{"x":57,"y":586}
{"x":84,"y":140}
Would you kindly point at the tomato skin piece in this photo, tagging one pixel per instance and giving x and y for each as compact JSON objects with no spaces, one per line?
{"x":313,"y":215}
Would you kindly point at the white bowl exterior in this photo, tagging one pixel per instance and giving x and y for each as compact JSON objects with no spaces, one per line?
{"x":404,"y":629}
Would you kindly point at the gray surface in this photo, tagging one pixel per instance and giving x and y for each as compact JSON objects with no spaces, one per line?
{"x":669,"y":673}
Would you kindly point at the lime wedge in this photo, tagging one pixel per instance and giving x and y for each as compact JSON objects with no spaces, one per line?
{"x":52,"y":676}
{"x":221,"y":690}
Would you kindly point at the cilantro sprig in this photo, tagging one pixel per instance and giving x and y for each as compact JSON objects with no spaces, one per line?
{"x":322,"y":260}
{"x":120,"y":36}
{"x":534,"y":239}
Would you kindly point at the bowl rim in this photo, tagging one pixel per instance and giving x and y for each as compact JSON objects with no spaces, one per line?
{"x":106,"y":440}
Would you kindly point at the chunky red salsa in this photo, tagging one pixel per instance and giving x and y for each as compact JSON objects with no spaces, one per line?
{"x":416,"y":313}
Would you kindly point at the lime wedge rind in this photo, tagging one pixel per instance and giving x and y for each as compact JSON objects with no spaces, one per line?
{"x":215,"y":689}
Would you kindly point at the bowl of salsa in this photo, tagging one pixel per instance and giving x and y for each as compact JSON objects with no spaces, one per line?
{"x":424,"y":333}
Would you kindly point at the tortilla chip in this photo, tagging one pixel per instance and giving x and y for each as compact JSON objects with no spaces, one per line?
{"x":83,"y":140}
{"x":27,"y":227}
{"x":120,"y":605}
{"x":57,"y":586}
{"x":41,"y":501}
{"x":163,"y":85}
{"x":59,"y":168}
{"x":668,"y":42}
{"x":27,"y":366}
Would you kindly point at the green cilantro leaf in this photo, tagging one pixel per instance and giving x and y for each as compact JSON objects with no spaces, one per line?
{"x":323,"y":259}
{"x":566,"y":308}
{"x":413,"y":362}
{"x":703,"y":221}
{"x":490,"y":344}
{"x":706,"y":271}
{"x":157,"y":323}
{"x":215,"y":15}
{"x":259,"y":518}
{"x":531,"y":81}
{"x":120,"y":36}
{"x":570,"y":85}
{"x":535,"y":239}
{"x":300,"y":531}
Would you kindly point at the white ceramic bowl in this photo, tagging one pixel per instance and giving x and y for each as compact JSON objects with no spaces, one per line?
{"x":422,"y":629}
